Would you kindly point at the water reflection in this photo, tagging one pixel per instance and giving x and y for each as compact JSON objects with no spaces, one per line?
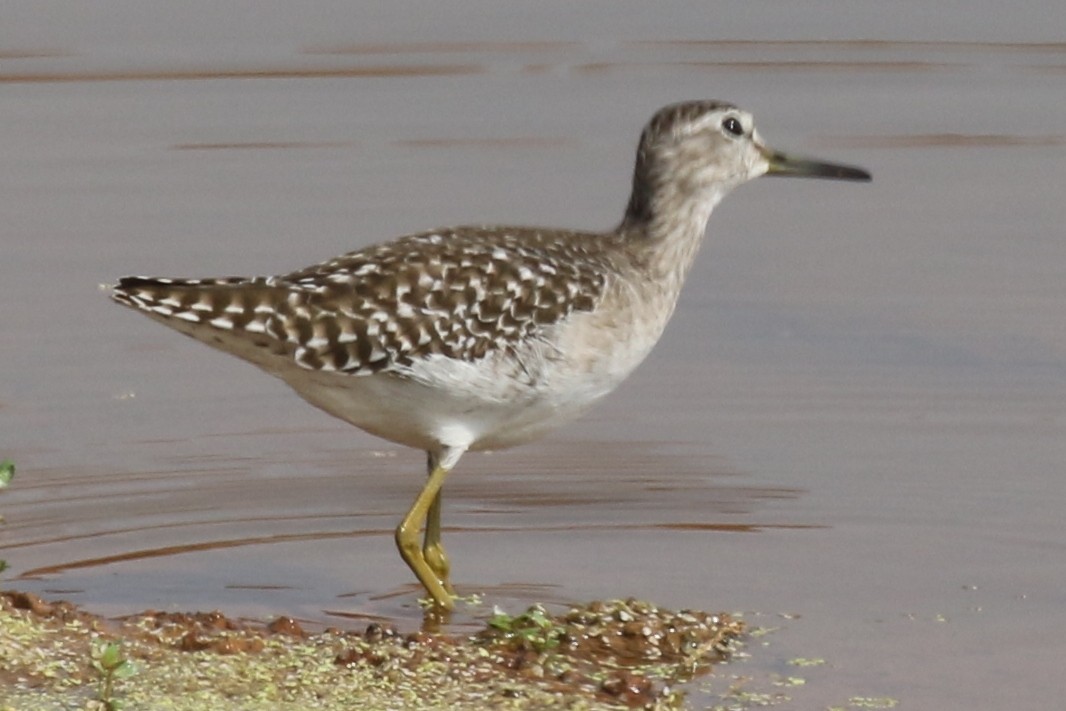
{"x":210,"y":504}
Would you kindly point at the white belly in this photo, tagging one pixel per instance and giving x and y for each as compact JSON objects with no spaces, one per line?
{"x":493,"y":403}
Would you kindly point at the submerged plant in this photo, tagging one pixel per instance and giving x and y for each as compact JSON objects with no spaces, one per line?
{"x":7,"y":473}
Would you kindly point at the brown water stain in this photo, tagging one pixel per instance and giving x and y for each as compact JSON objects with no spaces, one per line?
{"x":555,"y":46}
{"x":514,"y":142}
{"x":165,"y":526}
{"x":267,"y":145}
{"x":863,"y":44}
{"x":386,"y":71}
{"x":950,"y":140}
{"x":777,"y":65}
{"x":166,"y":551}
{"x":32,"y":54}
{"x":442,"y":47}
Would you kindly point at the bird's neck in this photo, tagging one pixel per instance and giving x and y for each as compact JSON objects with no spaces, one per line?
{"x":663,"y":230}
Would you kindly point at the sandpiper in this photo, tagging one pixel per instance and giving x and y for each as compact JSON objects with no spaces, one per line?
{"x":476,"y":338}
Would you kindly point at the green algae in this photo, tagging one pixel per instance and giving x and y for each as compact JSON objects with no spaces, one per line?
{"x":604,"y":655}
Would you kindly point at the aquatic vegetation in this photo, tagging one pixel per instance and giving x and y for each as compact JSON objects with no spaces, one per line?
{"x":7,"y":474}
{"x":601,"y":656}
{"x":111,"y":665}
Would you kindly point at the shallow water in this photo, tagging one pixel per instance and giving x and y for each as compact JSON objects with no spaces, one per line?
{"x":856,"y":417}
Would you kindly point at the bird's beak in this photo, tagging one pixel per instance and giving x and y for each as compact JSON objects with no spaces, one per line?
{"x":787,"y":166}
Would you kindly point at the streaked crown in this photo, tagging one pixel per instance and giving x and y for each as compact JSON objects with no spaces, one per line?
{"x":693,"y":151}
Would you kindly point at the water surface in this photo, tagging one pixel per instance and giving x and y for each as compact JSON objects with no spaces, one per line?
{"x":853,"y":429}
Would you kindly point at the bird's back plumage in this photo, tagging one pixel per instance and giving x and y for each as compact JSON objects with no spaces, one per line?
{"x":460,"y":294}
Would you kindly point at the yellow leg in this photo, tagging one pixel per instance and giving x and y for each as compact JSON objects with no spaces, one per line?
{"x":433,"y":549}
{"x":428,"y":561}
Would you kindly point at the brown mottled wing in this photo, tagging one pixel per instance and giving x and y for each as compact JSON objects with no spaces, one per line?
{"x":459,"y":294}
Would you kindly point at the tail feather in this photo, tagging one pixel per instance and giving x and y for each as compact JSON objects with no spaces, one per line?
{"x":216,"y":302}
{"x":235,"y":314}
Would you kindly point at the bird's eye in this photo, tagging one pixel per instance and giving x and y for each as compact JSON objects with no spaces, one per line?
{"x":732,"y":125}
